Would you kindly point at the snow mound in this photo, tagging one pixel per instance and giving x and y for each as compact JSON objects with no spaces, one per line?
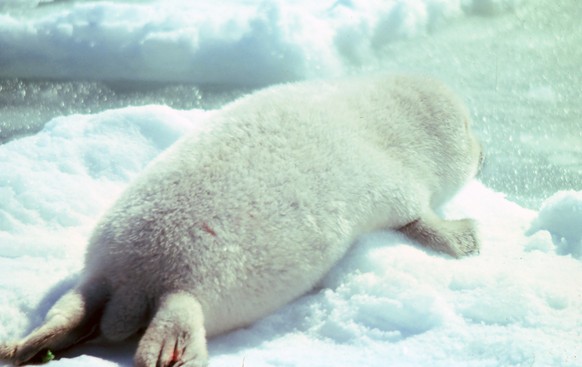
{"x":231,"y":42}
{"x":561,"y":216}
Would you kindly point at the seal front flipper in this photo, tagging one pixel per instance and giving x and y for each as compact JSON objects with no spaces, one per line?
{"x":175,"y":336}
{"x":71,"y":320}
{"x":454,"y":237}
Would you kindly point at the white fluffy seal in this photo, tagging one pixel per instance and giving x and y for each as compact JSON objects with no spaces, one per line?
{"x":228,"y":225}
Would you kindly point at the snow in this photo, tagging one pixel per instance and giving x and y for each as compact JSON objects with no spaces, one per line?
{"x":561,"y":216}
{"x":389,"y":302}
{"x":236,"y":42}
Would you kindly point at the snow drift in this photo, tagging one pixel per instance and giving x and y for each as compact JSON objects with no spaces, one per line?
{"x":234,"y":42}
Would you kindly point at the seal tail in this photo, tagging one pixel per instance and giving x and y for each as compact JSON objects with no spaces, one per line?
{"x":73,"y":319}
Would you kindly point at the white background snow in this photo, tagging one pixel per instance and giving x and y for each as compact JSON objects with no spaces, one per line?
{"x":389,"y":302}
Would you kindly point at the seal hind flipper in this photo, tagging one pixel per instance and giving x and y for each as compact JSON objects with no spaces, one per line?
{"x":7,"y":351}
{"x":71,"y":320}
{"x":176,"y":335}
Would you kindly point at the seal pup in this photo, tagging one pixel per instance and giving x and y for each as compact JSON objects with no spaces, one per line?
{"x":230,"y":224}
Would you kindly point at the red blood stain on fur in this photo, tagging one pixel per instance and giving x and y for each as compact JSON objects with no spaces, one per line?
{"x":207,"y":229}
